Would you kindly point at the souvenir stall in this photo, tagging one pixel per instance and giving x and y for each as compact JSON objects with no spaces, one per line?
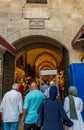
{"x":61,"y":85}
{"x":22,"y":78}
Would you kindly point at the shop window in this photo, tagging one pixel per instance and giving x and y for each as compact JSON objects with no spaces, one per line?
{"x":37,"y":1}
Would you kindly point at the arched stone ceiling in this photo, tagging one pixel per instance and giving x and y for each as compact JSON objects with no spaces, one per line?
{"x":45,"y":53}
{"x":41,"y":56}
{"x":45,"y":63}
{"x":45,"y":60}
{"x":33,"y":42}
{"x":46,"y":67}
{"x":45,"y":57}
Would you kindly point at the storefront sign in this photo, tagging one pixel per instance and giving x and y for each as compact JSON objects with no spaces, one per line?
{"x":48,"y":72}
{"x":36,"y":23}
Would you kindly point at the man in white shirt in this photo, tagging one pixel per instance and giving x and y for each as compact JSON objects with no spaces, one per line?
{"x":46,"y":93}
{"x":11,"y":108}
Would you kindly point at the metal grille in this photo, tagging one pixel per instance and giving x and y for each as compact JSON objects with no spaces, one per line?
{"x":8,"y":71}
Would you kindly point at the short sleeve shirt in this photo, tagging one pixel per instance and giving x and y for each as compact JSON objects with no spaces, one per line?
{"x":32,"y":102}
{"x":11,"y":106}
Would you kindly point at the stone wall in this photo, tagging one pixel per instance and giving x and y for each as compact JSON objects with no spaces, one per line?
{"x":59,"y":19}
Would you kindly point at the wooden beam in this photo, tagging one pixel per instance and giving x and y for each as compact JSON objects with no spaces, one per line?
{"x":6,"y":45}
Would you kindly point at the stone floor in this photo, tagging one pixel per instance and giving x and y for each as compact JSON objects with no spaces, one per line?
{"x":20,"y":127}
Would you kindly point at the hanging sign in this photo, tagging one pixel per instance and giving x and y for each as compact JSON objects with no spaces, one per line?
{"x":48,"y":72}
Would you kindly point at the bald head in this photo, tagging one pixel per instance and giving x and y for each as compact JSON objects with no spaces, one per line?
{"x":33,"y":86}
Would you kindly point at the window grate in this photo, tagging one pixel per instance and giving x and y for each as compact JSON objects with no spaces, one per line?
{"x":37,"y":1}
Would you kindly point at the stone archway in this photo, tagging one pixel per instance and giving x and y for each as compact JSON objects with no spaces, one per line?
{"x":39,"y":41}
{"x":26,"y":32}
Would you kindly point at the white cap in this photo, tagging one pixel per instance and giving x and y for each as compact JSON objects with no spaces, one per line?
{"x":52,"y":83}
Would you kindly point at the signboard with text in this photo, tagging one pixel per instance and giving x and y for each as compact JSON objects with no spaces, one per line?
{"x":48,"y":72}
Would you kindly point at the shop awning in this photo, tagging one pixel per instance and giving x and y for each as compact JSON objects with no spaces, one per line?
{"x":78,"y":41}
{"x":4,"y":45}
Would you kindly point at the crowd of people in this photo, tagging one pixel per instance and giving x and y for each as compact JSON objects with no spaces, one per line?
{"x":56,"y":116}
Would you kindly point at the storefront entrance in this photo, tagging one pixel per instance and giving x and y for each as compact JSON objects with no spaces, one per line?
{"x":35,"y":53}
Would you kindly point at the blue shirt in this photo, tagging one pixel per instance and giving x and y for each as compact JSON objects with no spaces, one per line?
{"x":32,"y":102}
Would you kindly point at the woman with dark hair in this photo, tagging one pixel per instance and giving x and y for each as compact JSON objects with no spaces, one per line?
{"x":73,"y":106}
{"x":54,"y":113}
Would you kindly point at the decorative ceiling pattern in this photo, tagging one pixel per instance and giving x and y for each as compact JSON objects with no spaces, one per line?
{"x":42,"y":53}
{"x":43,"y":59}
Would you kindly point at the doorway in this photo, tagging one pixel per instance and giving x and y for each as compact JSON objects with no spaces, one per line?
{"x":34,"y":53}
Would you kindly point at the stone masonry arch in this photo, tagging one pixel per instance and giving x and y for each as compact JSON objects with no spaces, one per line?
{"x":47,"y":41}
{"x":20,"y":34}
{"x":26,"y":39}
